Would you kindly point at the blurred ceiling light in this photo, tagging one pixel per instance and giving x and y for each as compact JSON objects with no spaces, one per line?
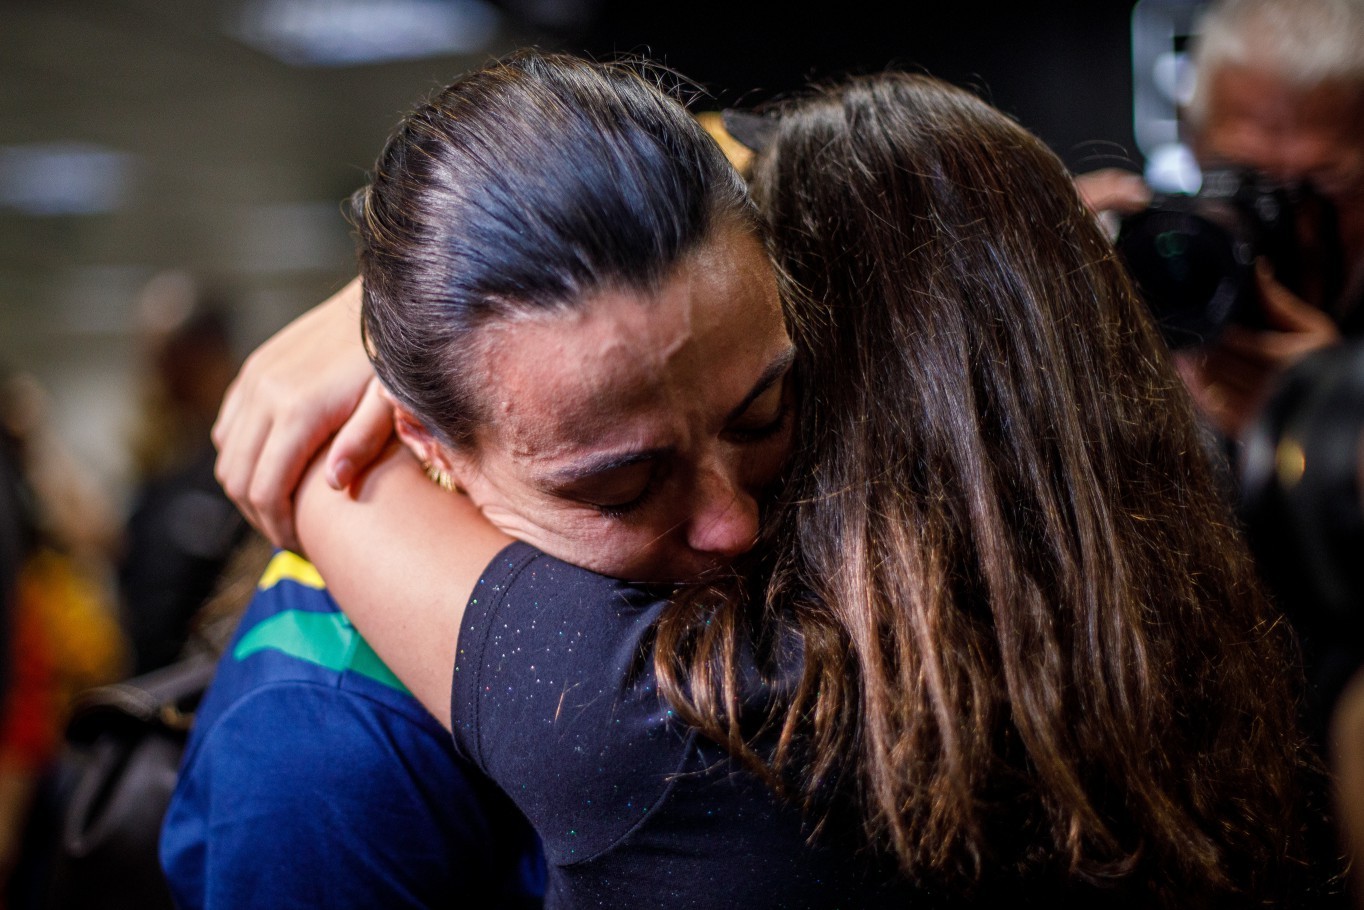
{"x":352,"y":32}
{"x":63,"y":178}
{"x":1172,"y":168}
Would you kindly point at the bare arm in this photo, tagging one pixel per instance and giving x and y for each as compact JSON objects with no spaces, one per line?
{"x":398,"y":553}
{"x":435,"y":546}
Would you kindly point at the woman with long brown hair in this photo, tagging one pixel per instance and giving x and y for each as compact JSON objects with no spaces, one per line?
{"x":998,"y":638}
{"x":1026,"y":611}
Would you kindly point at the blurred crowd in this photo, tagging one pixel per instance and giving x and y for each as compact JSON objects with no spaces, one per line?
{"x":91,"y":597}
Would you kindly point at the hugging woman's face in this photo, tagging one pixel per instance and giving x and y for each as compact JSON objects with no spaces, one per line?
{"x":633,"y":434}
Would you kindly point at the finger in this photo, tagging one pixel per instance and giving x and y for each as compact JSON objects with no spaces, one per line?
{"x":228,"y":410}
{"x":1248,"y":347}
{"x":1274,"y":350}
{"x":1232,"y":369}
{"x":236,"y":400}
{"x":1227,"y":390}
{"x":362,"y":438}
{"x":1229,"y":410}
{"x":287,"y":452}
{"x":1270,"y":351}
{"x":1288,"y":312}
{"x":1113,"y":190}
{"x":236,"y":463}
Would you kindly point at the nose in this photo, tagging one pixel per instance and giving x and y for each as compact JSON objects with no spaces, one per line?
{"x":725,"y":523}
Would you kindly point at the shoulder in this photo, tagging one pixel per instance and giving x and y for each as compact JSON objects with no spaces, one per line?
{"x":315,"y":795}
{"x":554,"y":699}
{"x":528,"y":595}
{"x":313,"y":778}
{"x":295,"y":753}
{"x":553,"y":626}
{"x":298,"y":682}
{"x":294,"y":631}
{"x":559,"y":630}
{"x":300,"y":728}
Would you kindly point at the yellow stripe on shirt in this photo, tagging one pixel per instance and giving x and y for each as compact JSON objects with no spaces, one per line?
{"x":290,"y":566}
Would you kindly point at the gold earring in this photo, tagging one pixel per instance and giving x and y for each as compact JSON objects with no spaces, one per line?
{"x":440,"y":478}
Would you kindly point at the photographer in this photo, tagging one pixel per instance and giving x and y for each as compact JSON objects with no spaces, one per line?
{"x":1280,"y":90}
{"x":1280,"y":95}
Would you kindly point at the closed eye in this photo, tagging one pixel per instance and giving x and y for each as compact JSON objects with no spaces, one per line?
{"x":614,"y":485}
{"x":622,"y":509}
{"x":762,"y":431}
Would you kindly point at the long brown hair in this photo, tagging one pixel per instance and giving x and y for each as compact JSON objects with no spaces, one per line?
{"x":1033,"y":642}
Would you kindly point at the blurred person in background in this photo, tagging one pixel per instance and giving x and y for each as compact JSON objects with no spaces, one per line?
{"x":16,"y":541}
{"x":1279,"y":92}
{"x":16,"y":538}
{"x":64,"y":635}
{"x":182,"y":527}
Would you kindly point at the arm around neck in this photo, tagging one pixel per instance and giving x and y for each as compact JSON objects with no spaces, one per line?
{"x":402,"y":558}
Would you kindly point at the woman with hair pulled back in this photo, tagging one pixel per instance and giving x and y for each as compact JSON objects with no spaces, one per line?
{"x":997,"y":638}
{"x":556,"y":260}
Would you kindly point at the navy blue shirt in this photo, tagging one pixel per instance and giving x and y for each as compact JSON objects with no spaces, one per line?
{"x":555,"y":699}
{"x":313,"y":778}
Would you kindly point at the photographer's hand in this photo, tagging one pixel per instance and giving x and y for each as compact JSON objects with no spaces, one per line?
{"x":1231,"y":379}
{"x":1113,"y":189}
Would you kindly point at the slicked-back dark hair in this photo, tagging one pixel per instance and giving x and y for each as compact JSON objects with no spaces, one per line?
{"x":525,"y":186}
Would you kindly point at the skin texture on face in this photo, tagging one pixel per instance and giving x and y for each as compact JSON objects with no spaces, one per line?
{"x":633,"y":434}
{"x":1255,"y":119}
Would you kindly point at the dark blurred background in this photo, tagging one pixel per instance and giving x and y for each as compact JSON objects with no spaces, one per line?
{"x":153,"y":151}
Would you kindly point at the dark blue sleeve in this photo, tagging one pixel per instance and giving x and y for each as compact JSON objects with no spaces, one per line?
{"x":304,"y":795}
{"x":554,"y":699}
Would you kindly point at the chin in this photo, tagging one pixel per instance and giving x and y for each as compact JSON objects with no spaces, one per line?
{"x":683,"y":569}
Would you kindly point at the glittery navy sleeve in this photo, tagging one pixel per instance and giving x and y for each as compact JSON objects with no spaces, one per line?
{"x":554,"y":698}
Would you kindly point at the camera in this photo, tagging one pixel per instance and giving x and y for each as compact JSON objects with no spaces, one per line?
{"x":1302,"y":484}
{"x":1193,"y":256}
{"x":1301,"y":476}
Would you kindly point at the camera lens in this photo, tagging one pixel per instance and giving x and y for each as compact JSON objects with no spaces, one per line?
{"x":1194,"y":273}
{"x":1300,"y":474}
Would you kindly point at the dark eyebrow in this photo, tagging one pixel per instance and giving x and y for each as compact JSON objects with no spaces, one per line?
{"x":604,"y":463}
{"x":615,"y":460}
{"x":775,"y":370}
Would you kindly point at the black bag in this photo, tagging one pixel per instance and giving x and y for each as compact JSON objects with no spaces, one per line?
{"x":124,"y":747}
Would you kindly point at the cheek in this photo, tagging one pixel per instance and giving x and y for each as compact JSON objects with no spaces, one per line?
{"x":482,"y":489}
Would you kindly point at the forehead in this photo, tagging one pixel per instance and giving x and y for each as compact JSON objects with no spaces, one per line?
{"x":629,"y":364}
{"x":1240,"y":95}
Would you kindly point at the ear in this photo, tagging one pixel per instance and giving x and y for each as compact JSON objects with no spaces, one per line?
{"x":419,"y":440}
{"x":450,"y":470}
